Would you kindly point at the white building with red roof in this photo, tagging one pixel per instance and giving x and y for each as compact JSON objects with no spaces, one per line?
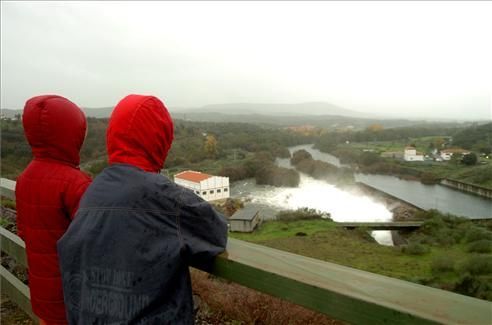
{"x":209,"y":187}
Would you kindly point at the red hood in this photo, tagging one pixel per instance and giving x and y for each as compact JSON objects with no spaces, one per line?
{"x":140,"y":133}
{"x":55,"y":128}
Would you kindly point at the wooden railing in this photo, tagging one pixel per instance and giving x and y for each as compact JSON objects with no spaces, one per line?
{"x":13,"y":246}
{"x":341,"y":292}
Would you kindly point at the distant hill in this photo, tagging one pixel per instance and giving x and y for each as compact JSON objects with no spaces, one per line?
{"x":312,"y":108}
{"x":320,"y":114}
{"x":323,"y":121}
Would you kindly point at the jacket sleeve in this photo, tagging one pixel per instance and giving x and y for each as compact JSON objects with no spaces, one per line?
{"x":203,"y":230}
{"x":73,"y":194}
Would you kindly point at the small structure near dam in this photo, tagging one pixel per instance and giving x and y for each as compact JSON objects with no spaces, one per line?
{"x":245,"y":220}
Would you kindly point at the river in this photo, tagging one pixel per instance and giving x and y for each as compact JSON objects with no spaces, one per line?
{"x":427,"y":197}
{"x":353,"y":205}
{"x":316,"y":194}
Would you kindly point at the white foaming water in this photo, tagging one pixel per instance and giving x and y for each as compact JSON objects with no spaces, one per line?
{"x":322,"y":196}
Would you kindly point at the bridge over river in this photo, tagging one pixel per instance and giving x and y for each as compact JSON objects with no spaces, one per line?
{"x":391,"y":225}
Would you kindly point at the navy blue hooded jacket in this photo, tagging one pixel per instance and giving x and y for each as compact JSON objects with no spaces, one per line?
{"x":125,"y":257}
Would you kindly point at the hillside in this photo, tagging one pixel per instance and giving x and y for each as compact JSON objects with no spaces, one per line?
{"x":476,"y":137}
{"x":315,"y":114}
{"x":311,"y":108}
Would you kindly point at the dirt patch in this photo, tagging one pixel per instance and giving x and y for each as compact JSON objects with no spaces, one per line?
{"x":230,"y":303}
{"x":11,"y":314}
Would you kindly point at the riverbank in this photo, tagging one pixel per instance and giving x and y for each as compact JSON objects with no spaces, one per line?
{"x":379,"y":158}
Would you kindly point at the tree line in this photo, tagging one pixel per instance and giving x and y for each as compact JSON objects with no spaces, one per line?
{"x":196,"y":144}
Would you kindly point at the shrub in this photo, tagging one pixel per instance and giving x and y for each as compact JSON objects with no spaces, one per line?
{"x":8,"y":203}
{"x":474,"y":286}
{"x":277,"y":176}
{"x":347,"y":155}
{"x":369,"y":158}
{"x":442,"y":264}
{"x":469,"y":159}
{"x":428,"y":179}
{"x":301,"y":214}
{"x":281,"y":152}
{"x":480,"y":246}
{"x":477,"y":233}
{"x":415,"y":249}
{"x":299,"y":156}
{"x":4,"y":223}
{"x":229,"y":207}
{"x":365,"y":234}
{"x":323,"y":170}
{"x":235,"y":173}
{"x":432,"y":226}
{"x":423,"y":239}
{"x":478,"y":265}
{"x":305,"y":166}
{"x":445,"y":237}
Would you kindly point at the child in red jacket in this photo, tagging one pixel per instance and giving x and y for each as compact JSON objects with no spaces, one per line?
{"x":48,"y":194}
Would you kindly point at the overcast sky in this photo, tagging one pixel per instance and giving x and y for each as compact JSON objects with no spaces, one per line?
{"x":399,"y":58}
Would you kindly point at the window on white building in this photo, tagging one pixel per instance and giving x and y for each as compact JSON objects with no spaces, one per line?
{"x":211,"y":191}
{"x":225,"y":190}
{"x":204,"y":193}
{"x":218,"y":190}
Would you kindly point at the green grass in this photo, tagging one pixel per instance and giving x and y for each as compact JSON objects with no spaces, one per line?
{"x":271,"y":230}
{"x":327,"y":242}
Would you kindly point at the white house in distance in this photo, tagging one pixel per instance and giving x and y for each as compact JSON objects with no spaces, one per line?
{"x":207,"y":186}
{"x":446,"y":154}
{"x":411,"y":154}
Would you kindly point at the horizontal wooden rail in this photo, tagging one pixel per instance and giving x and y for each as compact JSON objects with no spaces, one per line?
{"x":7,"y":188}
{"x":341,"y":292}
{"x":391,"y":225}
{"x":13,"y":246}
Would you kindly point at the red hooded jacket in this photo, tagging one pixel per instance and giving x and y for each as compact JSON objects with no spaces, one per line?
{"x":140,"y":133}
{"x":125,"y":257}
{"x":48,"y":194}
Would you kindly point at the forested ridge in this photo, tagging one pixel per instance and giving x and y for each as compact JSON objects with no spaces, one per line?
{"x":205,"y":145}
{"x":244,"y":150}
